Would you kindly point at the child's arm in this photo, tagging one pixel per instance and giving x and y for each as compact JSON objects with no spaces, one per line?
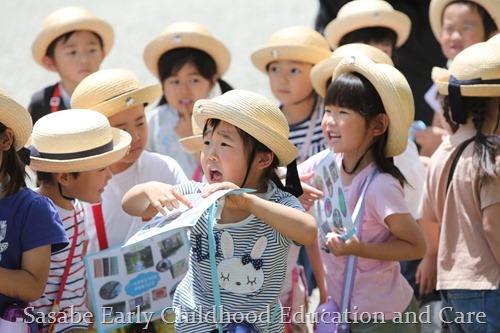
{"x":491,"y":226}
{"x":147,"y":199}
{"x":28,"y":282}
{"x":426,"y":275}
{"x":294,"y":224}
{"x":409,"y":243}
{"x":314,"y":257}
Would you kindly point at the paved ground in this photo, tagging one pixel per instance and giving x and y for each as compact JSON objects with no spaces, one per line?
{"x":242,"y":25}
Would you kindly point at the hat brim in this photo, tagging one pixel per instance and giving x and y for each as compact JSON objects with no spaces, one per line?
{"x":192,"y":144}
{"x":167,"y":42}
{"x":284,"y":149}
{"x":395,"y":94}
{"x":262,"y":57}
{"x":14,"y":116}
{"x":437,"y":7}
{"x":121,"y":145}
{"x":47,"y":36}
{"x":146,"y":95}
{"x":475,"y":90}
{"x":341,"y":26}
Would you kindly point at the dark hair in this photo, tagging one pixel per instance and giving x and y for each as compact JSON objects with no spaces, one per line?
{"x":353,"y":91}
{"x":172,"y":61}
{"x":370,"y":34}
{"x":486,"y":147}
{"x":64,"y":38}
{"x":47,"y":178}
{"x":488,"y":22}
{"x":252,"y":147}
{"x":13,"y":167}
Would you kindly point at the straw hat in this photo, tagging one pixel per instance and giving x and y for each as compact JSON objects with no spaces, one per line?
{"x":495,"y":39}
{"x":321,"y":73}
{"x":471,"y":70}
{"x":439,"y":72}
{"x":293,"y":43}
{"x":255,"y":115}
{"x":111,"y":91}
{"x":394,"y":92}
{"x":437,"y":7}
{"x":69,"y":19}
{"x":76,"y":141}
{"x":186,"y":34}
{"x":14,"y":116}
{"x":193,"y":144}
{"x":359,"y":14}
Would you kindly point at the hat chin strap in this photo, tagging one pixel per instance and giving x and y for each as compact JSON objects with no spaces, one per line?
{"x":62,"y":195}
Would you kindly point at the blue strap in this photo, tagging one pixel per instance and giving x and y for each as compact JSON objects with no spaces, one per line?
{"x":350,"y":270}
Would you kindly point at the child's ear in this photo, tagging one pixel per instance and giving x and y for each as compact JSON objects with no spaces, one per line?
{"x":63,"y":178}
{"x":49,"y":63}
{"x":379,"y":124}
{"x":6,"y":139}
{"x":264,"y":160}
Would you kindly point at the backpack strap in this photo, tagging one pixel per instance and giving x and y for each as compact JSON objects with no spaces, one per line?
{"x":460,"y":150}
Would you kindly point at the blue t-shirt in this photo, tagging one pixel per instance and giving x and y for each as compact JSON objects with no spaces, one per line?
{"x":27,"y":221}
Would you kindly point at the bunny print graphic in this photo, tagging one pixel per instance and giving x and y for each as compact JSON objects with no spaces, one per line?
{"x":244,"y":274}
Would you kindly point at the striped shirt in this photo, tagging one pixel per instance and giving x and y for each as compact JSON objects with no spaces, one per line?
{"x":248,"y":287}
{"x":298,"y":133}
{"x":74,"y":290}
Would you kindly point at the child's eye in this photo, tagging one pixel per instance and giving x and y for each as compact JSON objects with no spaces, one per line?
{"x":223,"y":144}
{"x":173,"y":82}
{"x":206,"y":143}
{"x":195,"y":80}
{"x":296,"y":70}
{"x":274,"y":69}
{"x":140,"y":124}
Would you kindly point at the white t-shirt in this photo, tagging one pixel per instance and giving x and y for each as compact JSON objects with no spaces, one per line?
{"x":118,"y":224}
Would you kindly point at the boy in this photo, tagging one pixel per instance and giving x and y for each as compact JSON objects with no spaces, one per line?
{"x":73,"y":43}
{"x":287,"y":59}
{"x":71,"y":152}
{"x":118,"y":95}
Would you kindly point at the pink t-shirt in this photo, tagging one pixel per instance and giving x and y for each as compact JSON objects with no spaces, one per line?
{"x":379,"y":285}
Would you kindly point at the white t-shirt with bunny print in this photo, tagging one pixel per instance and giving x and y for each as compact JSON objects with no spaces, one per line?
{"x":251,"y":259}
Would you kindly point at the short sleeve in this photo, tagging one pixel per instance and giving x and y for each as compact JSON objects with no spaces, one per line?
{"x":386,"y":196}
{"x":489,"y":192}
{"x":43,"y":226}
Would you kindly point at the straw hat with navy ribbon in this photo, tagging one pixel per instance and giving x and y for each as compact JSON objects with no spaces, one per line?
{"x":254,"y":114}
{"x":395,"y":93}
{"x":475,"y":72}
{"x":75,"y":141}
{"x":69,"y":19}
{"x":293,"y":43}
{"x":321,"y":73}
{"x":437,"y":7}
{"x":359,"y":14}
{"x":14,"y":116}
{"x":186,"y":34}
{"x":111,"y":91}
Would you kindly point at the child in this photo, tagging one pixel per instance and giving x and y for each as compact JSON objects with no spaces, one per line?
{"x":73,"y":43}
{"x":71,"y":152}
{"x":237,"y":126}
{"x":118,"y":95}
{"x":461,"y":200}
{"x":30,"y":228}
{"x":288,"y":58}
{"x":368,"y":111}
{"x":456,"y":25}
{"x":372,"y":22}
{"x":190,"y":63}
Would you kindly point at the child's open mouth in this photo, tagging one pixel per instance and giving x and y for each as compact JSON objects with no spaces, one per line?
{"x":215,"y":175}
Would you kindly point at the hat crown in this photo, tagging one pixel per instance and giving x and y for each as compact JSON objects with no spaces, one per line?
{"x":102,"y":86}
{"x":71,"y":131}
{"x":66,"y":14}
{"x":478,"y":61}
{"x":369,"y":51}
{"x":364,"y":6}
{"x":14,"y":116}
{"x":298,"y":36}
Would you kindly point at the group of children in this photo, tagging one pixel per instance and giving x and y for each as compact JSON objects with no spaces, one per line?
{"x":103,"y":168}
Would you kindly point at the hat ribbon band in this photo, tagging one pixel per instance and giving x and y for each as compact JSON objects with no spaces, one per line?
{"x":70,"y":156}
{"x":457,"y":113}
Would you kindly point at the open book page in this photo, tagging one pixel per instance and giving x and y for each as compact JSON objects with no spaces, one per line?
{"x":332,"y":213}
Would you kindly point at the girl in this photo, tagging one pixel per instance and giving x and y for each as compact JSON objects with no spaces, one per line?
{"x":368,"y":111}
{"x":30,"y":228}
{"x":462,"y":194}
{"x":189,"y":62}
{"x":257,"y":229}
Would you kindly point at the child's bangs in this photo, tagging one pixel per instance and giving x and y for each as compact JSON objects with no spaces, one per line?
{"x":346,"y":91}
